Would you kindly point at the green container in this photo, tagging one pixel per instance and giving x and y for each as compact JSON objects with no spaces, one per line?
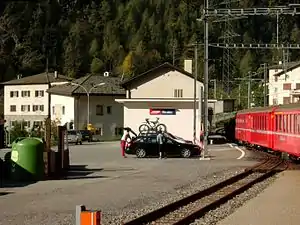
{"x":27,"y":158}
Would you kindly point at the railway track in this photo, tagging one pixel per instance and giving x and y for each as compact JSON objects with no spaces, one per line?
{"x":188,"y":209}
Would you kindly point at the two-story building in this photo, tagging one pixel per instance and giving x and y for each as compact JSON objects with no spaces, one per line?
{"x":90,"y":100}
{"x":26,"y":99}
{"x":165,"y":92}
{"x":284,"y":83}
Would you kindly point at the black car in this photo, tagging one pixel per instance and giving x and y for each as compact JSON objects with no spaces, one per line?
{"x":146,"y":145}
{"x":86,"y":135}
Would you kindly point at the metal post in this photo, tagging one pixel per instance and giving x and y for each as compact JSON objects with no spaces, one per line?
{"x":265,"y":84}
{"x":205,"y":80}
{"x":215,"y":88}
{"x":88,"y":109}
{"x":239,"y":94}
{"x":249,"y":91}
{"x":195,"y":92}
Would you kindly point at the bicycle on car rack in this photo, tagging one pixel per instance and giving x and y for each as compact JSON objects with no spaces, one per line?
{"x":152,"y":126}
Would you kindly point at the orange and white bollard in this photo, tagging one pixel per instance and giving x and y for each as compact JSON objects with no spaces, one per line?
{"x":87,"y":217}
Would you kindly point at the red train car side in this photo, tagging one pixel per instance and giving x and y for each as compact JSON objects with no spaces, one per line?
{"x":275,"y":128}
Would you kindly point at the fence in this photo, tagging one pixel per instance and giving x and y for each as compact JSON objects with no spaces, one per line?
{"x":19,"y":129}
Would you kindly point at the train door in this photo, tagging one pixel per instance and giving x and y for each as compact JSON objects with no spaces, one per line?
{"x":249,"y":127}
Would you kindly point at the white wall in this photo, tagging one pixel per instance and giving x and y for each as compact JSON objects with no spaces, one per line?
{"x":276,"y":87}
{"x":107,"y":122}
{"x":180,"y":124}
{"x":164,"y":84}
{"x":18,"y":101}
{"x":57,"y":104}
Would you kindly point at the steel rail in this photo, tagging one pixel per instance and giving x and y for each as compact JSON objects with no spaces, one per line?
{"x":186,"y":210}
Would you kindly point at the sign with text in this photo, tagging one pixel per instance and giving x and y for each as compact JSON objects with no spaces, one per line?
{"x":162,"y":111}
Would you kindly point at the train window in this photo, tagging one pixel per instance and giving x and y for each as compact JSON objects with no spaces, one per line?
{"x":280,"y":120}
{"x":276,"y":123}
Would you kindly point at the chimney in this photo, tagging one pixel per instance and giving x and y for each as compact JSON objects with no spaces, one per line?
{"x":55,"y":74}
{"x":188,"y":65}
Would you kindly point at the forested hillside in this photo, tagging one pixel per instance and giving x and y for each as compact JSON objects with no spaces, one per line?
{"x":127,"y":36}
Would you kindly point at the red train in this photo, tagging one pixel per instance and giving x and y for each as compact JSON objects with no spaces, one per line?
{"x":274,"y":128}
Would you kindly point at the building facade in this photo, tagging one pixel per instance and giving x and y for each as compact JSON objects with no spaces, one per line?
{"x":71,"y":105}
{"x":165,"y":92}
{"x":284,"y":84}
{"x":26,"y":99}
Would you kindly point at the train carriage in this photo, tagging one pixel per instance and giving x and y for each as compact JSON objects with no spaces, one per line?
{"x":255,"y":127}
{"x":286,"y":132}
{"x":276,"y":128}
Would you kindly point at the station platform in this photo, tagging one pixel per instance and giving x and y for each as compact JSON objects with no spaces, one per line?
{"x":278,"y":204}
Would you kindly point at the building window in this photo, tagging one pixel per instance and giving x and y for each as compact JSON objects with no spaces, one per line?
{"x":25,"y":93}
{"x":178,"y":93}
{"x":99,"y":110}
{"x":13,"y":108}
{"x":275,"y":102}
{"x":53,"y":110}
{"x":298,"y":86}
{"x":118,"y":131}
{"x":63,"y":110}
{"x":13,"y":123}
{"x":37,"y":123}
{"x":287,"y":86}
{"x":14,"y":94}
{"x":26,"y":124}
{"x":276,"y":78}
{"x":39,"y":93}
{"x":286,"y":100}
{"x":25,"y":108}
{"x":275,"y":90}
{"x":108,"y":109}
{"x":36,"y":108}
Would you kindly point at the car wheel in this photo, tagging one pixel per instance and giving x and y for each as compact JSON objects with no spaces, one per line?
{"x":186,"y":153}
{"x":80,"y":142}
{"x":76,"y":143}
{"x":140,"y":153}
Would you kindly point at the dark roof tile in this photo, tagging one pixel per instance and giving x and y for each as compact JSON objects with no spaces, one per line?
{"x":111,"y":86}
{"x":38,"y":79}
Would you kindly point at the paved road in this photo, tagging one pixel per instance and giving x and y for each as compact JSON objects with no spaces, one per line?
{"x":101,"y":178}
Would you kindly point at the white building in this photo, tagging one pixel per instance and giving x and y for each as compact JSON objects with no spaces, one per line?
{"x":70,"y":104}
{"x":166,"y":92}
{"x":26,"y":99}
{"x":284,"y":85}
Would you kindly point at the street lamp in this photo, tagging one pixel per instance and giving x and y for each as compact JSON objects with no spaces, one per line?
{"x":88,"y":96}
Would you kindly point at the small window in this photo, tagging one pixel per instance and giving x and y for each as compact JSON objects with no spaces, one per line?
{"x":38,"y":123}
{"x":118,"y":131}
{"x":276,"y":78}
{"x":41,"y":107}
{"x":14,"y":94}
{"x":286,"y":100}
{"x":26,"y":124}
{"x":99,"y":110}
{"x":287,"y":86}
{"x":25,"y":108}
{"x":39,"y":93}
{"x":53,"y":110}
{"x":178,"y":93}
{"x":25,"y":93}
{"x":275,"y":90}
{"x":63,"y":110}
{"x":108,"y":109}
{"x":13,"y":108}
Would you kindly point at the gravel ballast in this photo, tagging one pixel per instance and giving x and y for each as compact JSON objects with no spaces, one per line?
{"x":145,"y":204}
{"x":214,"y":216}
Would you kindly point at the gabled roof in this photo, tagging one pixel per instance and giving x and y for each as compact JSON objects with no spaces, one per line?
{"x":150,"y":74}
{"x":288,"y":67}
{"x":38,"y":79}
{"x":111,"y":86}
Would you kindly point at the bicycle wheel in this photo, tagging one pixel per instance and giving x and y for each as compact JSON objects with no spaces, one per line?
{"x":161,"y":127}
{"x":144,"y":128}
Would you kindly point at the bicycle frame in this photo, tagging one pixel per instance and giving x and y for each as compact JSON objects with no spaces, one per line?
{"x":152,"y":124}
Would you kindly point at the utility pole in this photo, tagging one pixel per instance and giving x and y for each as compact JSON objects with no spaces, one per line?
{"x":205,"y":80}
{"x":195,"y":92}
{"x":249,"y":90}
{"x":239,"y":94}
{"x":265,"y":84}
